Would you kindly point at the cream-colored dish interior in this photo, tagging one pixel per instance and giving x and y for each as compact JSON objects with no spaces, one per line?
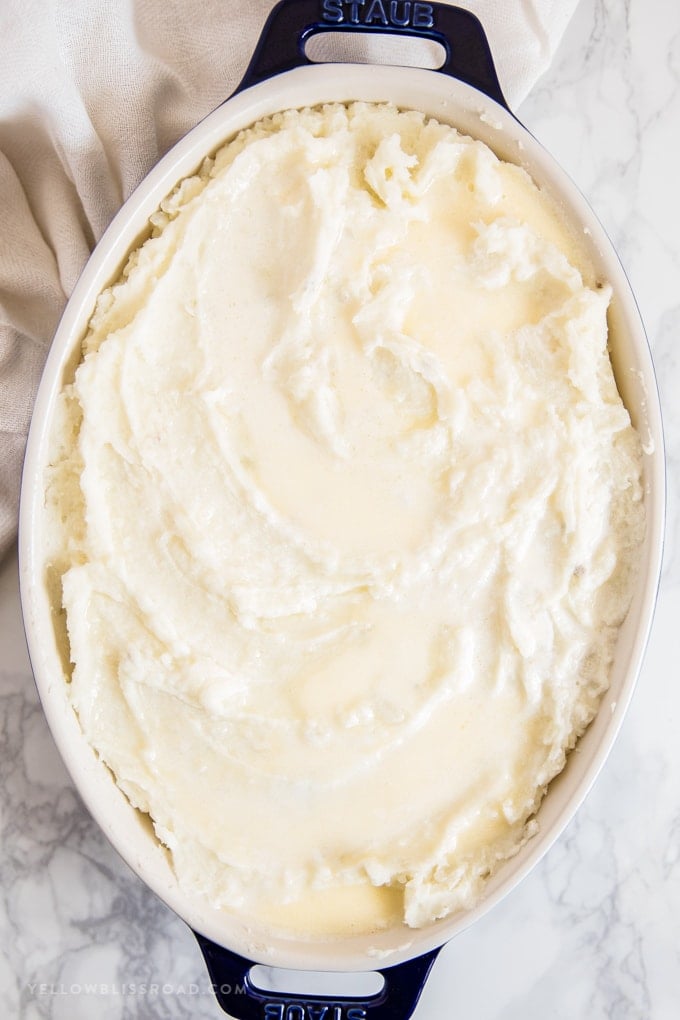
{"x":123,"y":825}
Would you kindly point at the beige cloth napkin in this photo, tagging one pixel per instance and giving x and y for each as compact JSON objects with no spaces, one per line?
{"x":92,"y":93}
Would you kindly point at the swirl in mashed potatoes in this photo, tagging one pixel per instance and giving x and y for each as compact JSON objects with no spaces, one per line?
{"x":346,"y":507}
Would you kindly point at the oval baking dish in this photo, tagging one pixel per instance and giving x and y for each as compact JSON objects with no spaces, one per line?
{"x":465,"y":93}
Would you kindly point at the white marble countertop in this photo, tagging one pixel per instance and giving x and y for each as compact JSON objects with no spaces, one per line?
{"x":594,"y":931}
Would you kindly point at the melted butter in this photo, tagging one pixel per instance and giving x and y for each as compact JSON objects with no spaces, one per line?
{"x":356,"y":499}
{"x":336,"y":912}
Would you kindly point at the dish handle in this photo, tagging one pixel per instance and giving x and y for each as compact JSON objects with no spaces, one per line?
{"x":290,"y":25}
{"x":242,"y":999}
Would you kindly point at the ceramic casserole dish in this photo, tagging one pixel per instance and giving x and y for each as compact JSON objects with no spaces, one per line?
{"x":465,"y":93}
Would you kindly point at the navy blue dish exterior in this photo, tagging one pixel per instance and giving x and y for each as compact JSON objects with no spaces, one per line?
{"x":281,"y":48}
{"x":292,"y":23}
{"x":241,"y":998}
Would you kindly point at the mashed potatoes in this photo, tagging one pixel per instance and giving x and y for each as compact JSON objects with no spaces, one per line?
{"x":346,"y":506}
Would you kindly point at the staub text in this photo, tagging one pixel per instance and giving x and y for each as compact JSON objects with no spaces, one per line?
{"x":373,"y":13}
{"x":312,"y":1011}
